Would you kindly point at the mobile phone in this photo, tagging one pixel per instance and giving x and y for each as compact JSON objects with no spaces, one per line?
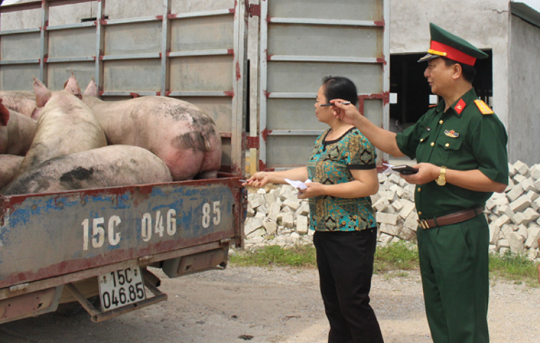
{"x":405,"y":169}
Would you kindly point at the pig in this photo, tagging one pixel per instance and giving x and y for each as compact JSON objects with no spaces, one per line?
{"x":109,"y":166}
{"x":65,"y":125}
{"x":20,"y":101}
{"x":183,"y":136}
{"x":9,"y":164}
{"x":16,"y":132}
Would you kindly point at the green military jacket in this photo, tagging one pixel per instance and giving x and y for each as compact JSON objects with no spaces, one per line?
{"x":462,"y":138}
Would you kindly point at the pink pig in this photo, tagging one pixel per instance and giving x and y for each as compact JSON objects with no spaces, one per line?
{"x":66,"y":125}
{"x":183,"y":136}
{"x":16,"y":131}
{"x":20,"y":101}
{"x":110,"y":166}
{"x":9,"y":164}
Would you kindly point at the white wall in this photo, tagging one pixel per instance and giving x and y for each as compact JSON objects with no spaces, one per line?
{"x":483,"y":23}
{"x":523,"y":99}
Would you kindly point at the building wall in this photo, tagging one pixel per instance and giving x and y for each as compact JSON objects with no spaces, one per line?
{"x":482,"y":23}
{"x":523,"y":99}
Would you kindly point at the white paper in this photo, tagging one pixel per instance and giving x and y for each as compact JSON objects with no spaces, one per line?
{"x":298,"y":184}
{"x":389,"y":168}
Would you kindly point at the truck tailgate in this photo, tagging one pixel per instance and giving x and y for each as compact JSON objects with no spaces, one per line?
{"x":48,"y":235}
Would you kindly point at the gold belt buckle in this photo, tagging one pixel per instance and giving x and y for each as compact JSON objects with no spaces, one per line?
{"x":423,"y":224}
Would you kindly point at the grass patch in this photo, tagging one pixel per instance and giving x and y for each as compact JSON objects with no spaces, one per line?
{"x":514,"y":267}
{"x":400,"y":256}
{"x":396,"y":256}
{"x":273,"y":255}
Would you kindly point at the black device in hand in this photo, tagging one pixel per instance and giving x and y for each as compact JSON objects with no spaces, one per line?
{"x":405,"y":169}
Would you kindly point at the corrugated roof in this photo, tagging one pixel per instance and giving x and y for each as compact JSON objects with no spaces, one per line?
{"x":525,"y":12}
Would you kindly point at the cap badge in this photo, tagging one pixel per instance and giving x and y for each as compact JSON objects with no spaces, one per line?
{"x":451,"y":133}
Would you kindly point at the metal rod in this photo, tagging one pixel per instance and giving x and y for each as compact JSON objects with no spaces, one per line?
{"x":82,"y":300}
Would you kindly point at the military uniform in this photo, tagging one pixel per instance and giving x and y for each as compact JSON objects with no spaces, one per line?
{"x":454,"y":258}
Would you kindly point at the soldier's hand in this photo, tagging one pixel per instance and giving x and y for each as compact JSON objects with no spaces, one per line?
{"x":427,"y":172}
{"x":348,"y":113}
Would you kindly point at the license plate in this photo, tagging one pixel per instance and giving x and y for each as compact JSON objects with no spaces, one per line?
{"x":120,"y":288}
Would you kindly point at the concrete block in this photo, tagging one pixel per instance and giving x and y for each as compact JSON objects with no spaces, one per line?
{"x":412,"y":221}
{"x":535,"y":171}
{"x":270,"y":226}
{"x":386,"y":218}
{"x":522,"y":231}
{"x":407,"y":234}
{"x":398,"y":189}
{"x":381,"y":204}
{"x":389,"y":229}
{"x":515,"y":193}
{"x":531,"y":214}
{"x":302,"y":225}
{"x":534,"y":234}
{"x":252,"y":224}
{"x":494,"y":233}
{"x":293,"y":205}
{"x":288,"y":220}
{"x":506,"y":230}
{"x":385,"y":239}
{"x":271,"y":197}
{"x":518,"y":178}
{"x":511,"y":170}
{"x":516,"y":243}
{"x":533,"y":195}
{"x":528,"y":185}
{"x":500,"y":199}
{"x":397,"y":205}
{"x":504,"y":219}
{"x":520,"y":204}
{"x":257,"y":200}
{"x":503,"y":243}
{"x":521,"y":168}
{"x":408,"y":207}
{"x":536,"y":204}
{"x":394,"y":178}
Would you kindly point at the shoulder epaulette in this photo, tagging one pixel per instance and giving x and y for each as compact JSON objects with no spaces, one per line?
{"x":483,"y":107}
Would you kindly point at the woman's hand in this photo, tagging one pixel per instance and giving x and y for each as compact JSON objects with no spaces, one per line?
{"x":313,"y":189}
{"x":258,"y":180}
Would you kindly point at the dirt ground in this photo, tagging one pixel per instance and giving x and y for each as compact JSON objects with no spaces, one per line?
{"x":272,"y":306}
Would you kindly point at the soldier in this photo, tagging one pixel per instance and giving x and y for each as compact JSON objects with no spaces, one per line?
{"x":460,"y":147}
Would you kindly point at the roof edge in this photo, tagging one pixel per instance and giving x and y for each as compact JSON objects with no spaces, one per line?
{"x":525,"y":12}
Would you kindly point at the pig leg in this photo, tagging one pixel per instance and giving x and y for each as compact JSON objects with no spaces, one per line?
{"x":9,"y":164}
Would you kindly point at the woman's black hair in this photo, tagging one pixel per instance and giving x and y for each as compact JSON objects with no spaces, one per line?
{"x":338,"y":87}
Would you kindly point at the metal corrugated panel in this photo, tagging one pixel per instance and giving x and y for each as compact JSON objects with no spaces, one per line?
{"x":302,"y":42}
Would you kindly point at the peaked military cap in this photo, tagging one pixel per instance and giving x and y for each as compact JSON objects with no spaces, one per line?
{"x":445,"y":44}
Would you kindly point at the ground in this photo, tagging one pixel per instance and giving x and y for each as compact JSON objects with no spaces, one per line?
{"x":276,"y":305}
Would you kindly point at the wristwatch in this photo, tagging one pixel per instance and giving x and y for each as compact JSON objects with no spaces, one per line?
{"x":441,"y":180}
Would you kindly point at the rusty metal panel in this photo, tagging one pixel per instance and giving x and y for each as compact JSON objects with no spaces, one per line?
{"x":73,"y":231}
{"x":302,"y":42}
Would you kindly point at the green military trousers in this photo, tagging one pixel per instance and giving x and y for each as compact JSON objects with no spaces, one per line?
{"x":454,"y":264}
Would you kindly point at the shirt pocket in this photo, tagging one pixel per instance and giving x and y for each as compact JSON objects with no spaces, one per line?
{"x":448,"y":150}
{"x":424,"y":148}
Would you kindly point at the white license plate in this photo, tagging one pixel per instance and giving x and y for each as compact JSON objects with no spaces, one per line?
{"x":120,"y":288}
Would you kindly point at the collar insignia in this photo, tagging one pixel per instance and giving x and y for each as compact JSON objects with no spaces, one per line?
{"x":459,"y":106}
{"x":451,"y":133}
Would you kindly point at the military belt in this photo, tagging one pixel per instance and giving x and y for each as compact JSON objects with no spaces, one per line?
{"x":450,"y":219}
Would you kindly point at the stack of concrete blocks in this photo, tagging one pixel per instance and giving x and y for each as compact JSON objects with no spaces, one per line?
{"x":277,"y":217}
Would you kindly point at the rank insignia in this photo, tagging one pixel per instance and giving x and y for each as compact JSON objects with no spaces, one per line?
{"x":460,"y":106}
{"x":483,"y":107}
{"x":451,"y":133}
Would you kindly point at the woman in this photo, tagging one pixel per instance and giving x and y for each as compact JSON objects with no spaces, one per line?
{"x":343,"y":174}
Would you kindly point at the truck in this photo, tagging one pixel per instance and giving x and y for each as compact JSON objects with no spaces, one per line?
{"x":253,"y":67}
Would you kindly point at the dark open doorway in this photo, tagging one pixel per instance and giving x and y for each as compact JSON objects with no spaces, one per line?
{"x":410,"y":97}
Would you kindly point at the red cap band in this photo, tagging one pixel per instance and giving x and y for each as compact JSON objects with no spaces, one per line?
{"x":452,"y":53}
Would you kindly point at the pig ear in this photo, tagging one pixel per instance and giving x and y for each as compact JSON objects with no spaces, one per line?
{"x":42,"y":93}
{"x":72,"y":86}
{"x":91,"y":89}
{"x":4,"y":114}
